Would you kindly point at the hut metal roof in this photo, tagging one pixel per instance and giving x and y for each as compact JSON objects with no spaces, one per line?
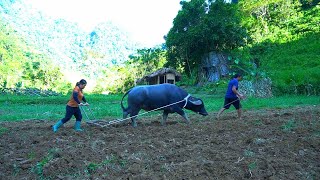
{"x":160,"y":72}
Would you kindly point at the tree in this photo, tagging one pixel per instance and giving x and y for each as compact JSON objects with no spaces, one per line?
{"x":182,"y":40}
{"x":148,"y":60}
{"x":121,"y":77}
{"x":12,"y":56}
{"x":271,"y":20}
{"x":200,"y":27}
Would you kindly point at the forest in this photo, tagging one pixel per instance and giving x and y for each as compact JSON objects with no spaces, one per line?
{"x":275,"y":39}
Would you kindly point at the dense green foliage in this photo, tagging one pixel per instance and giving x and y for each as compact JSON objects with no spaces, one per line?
{"x":285,"y":44}
{"x":272,"y":38}
{"x":294,"y":66}
{"x":201,"y":27}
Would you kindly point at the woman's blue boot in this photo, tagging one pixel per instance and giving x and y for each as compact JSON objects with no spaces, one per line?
{"x":77,"y":126}
{"x":56,"y":126}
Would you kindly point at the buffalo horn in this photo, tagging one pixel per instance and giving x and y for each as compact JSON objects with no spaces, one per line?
{"x":197,"y":102}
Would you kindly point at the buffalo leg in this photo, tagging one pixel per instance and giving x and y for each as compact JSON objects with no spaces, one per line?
{"x":133,"y":116}
{"x":183,"y":114}
{"x":125,"y":114}
{"x":164,"y":117}
{"x":133,"y":122}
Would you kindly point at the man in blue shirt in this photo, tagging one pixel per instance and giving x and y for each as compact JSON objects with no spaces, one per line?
{"x":232,"y":96}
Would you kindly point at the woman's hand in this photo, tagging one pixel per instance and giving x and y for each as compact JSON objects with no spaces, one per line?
{"x":84,"y":104}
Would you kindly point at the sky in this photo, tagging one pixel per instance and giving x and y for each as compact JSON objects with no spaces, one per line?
{"x":146,"y":21}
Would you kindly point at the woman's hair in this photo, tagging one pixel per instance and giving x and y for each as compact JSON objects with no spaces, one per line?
{"x":82,"y":81}
{"x":237,"y":75}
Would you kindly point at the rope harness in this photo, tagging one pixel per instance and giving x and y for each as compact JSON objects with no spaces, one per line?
{"x":104,"y":123}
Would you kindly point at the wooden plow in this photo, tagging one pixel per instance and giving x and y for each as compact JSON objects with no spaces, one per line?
{"x":91,"y":119}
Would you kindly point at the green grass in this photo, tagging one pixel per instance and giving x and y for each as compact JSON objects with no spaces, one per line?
{"x":280,"y":102}
{"x":17,"y":108}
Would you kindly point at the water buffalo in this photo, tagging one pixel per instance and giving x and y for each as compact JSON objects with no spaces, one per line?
{"x":167,"y":97}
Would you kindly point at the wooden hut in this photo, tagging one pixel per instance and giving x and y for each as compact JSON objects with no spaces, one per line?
{"x":163,"y":75}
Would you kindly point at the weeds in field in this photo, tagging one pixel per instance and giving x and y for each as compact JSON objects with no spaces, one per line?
{"x":248,"y":153}
{"x":289,"y":126}
{"x":92,"y":167}
{"x":251,"y":167}
{"x":167,"y":167}
{"x":38,"y":168}
{"x":258,"y":122}
{"x":31,"y":155}
{"x":317,"y":133}
{"x":3,"y":130}
{"x":16,"y":169}
{"x":112,"y":161}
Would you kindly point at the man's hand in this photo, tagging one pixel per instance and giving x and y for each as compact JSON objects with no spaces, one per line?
{"x":240,"y":96}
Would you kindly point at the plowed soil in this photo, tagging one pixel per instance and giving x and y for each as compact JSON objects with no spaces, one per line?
{"x":265,"y":144}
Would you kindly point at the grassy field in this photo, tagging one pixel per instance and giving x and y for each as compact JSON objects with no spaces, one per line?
{"x":18,"y":108}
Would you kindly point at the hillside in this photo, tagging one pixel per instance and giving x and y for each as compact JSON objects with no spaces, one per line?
{"x":65,"y":43}
{"x":294,"y":66}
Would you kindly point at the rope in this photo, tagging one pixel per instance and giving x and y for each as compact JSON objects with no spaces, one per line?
{"x":120,"y":120}
{"x":186,"y":99}
{"x":238,"y":99}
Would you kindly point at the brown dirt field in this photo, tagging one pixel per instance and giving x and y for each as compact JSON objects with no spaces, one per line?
{"x":266,"y":144}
